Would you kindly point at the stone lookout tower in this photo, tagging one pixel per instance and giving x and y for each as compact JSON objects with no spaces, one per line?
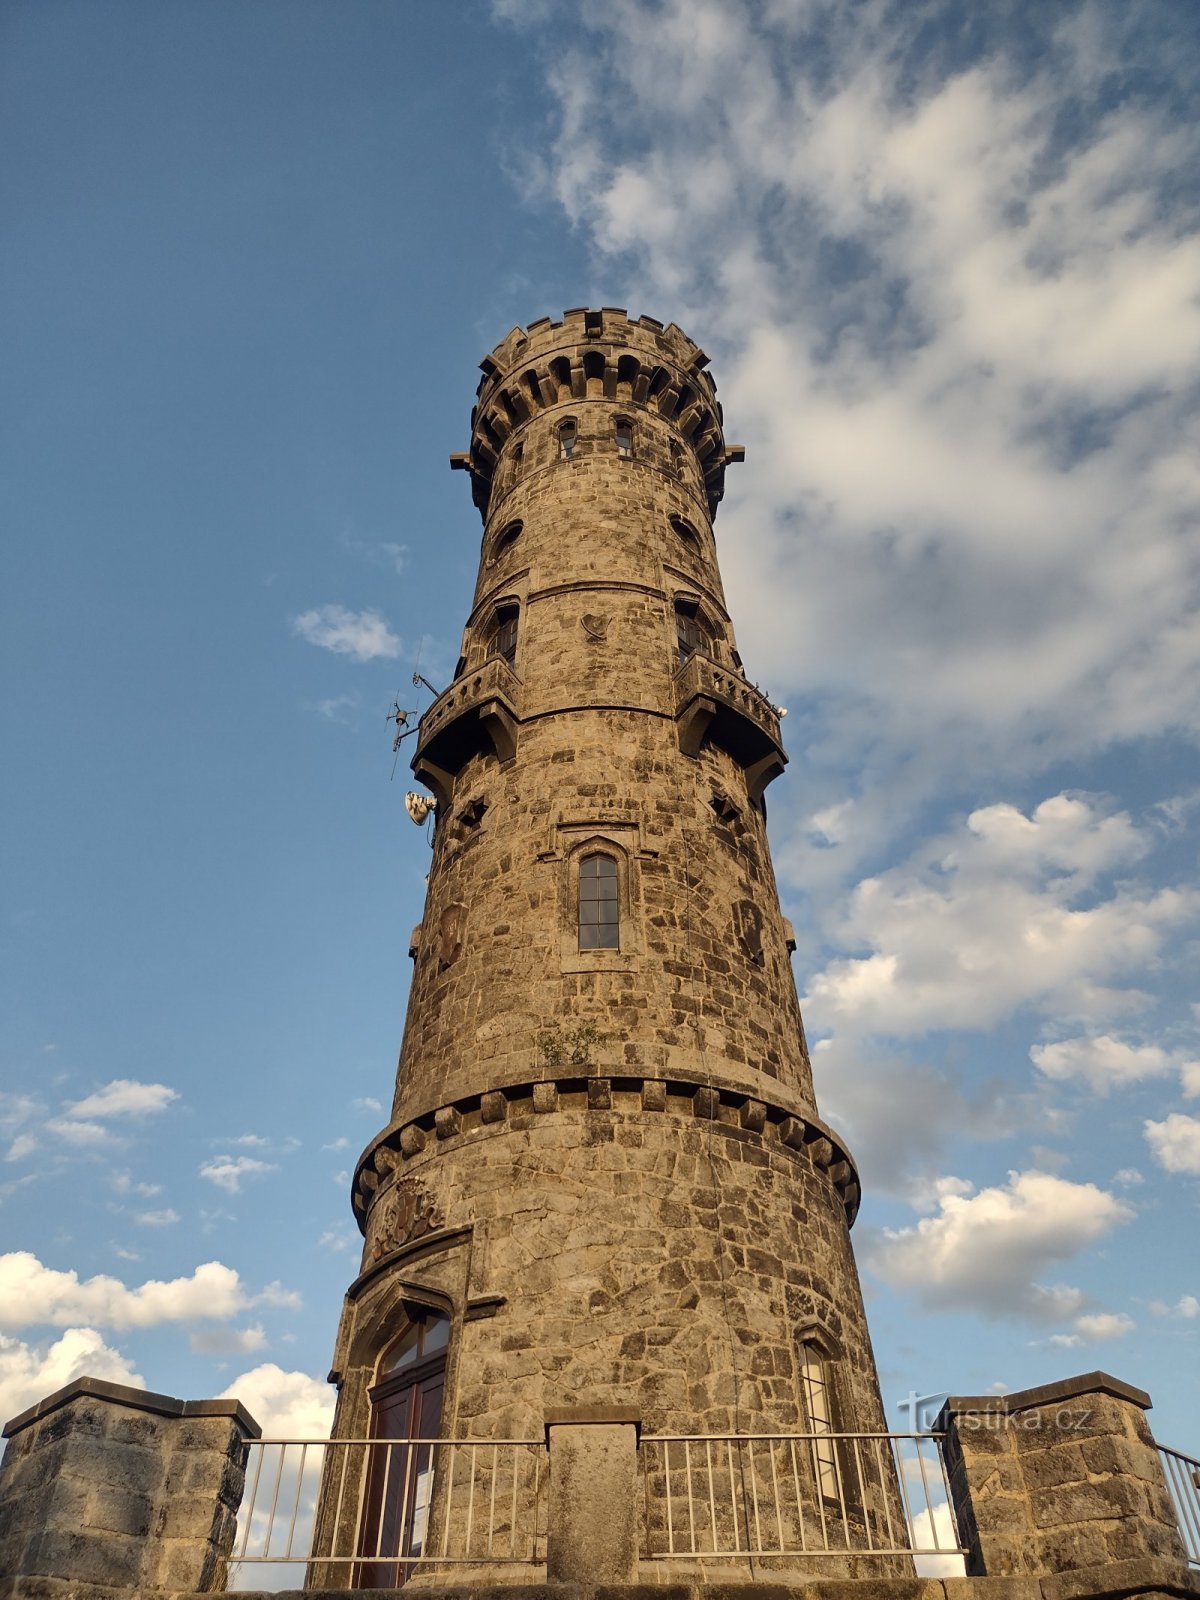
{"x":605,"y":1183}
{"x":607,"y":1326}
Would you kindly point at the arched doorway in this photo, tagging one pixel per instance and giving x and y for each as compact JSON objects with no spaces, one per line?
{"x":406,"y":1411}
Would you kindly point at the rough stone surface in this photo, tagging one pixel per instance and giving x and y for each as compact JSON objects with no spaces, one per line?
{"x":628,"y":1150}
{"x":110,"y":1489}
{"x":592,"y":1512}
{"x":1059,"y":1480}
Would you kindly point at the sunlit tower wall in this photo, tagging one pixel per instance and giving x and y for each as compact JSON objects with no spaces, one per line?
{"x":604,"y":1170}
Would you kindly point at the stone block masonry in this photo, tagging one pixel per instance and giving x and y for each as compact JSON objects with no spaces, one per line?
{"x":107,"y":1488}
{"x":1064,"y":1482}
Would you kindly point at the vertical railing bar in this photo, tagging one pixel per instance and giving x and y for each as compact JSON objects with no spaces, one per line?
{"x":939,"y":1444}
{"x":934,"y":1509}
{"x":928,"y":1498}
{"x":820,"y":1488}
{"x":287,"y":1554}
{"x":446,"y":1520}
{"x":881,"y":1473}
{"x":405,"y":1531}
{"x":1186,"y":1499}
{"x":754,"y":1501}
{"x":738,"y":1510}
{"x":841,"y":1490}
{"x":470,"y":1506}
{"x":670,"y":1512}
{"x":799,"y":1497}
{"x":644,"y":1463}
{"x":512,"y":1515}
{"x":712,"y":1498}
{"x":492,"y":1502}
{"x":1188,"y":1474}
{"x":687,"y":1461}
{"x":260,"y":1451}
{"x":775,"y":1492}
{"x":337,"y":1514}
{"x":383,"y":1500}
{"x":274,"y":1500}
{"x":902,"y":1475}
{"x":862,"y":1493}
{"x":360,"y":1505}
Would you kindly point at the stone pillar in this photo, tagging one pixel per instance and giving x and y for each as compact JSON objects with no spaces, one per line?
{"x":103,"y":1484}
{"x":592,"y":1513}
{"x":1063,"y":1479}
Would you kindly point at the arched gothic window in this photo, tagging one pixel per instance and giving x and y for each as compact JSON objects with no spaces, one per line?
{"x":503,"y":641}
{"x":406,"y":1407}
{"x":691,"y":631}
{"x":567,"y":435}
{"x":599,"y":903}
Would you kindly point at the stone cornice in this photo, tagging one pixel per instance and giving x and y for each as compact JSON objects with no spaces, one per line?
{"x":731,"y":1109}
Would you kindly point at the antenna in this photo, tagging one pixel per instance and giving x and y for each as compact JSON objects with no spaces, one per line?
{"x":399,"y":715}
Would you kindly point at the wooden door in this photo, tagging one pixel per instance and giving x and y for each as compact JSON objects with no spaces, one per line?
{"x":406,"y":1415}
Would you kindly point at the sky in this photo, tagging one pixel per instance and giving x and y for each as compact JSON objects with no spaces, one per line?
{"x":945,"y":260}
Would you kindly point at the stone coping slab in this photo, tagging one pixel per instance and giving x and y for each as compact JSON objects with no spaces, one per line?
{"x":1122,"y":1581}
{"x":163,"y":1405}
{"x":1046,"y":1394}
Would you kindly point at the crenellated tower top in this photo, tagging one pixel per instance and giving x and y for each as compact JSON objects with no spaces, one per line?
{"x":591,"y":355}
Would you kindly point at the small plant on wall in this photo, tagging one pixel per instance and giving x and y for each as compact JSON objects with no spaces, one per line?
{"x":570,"y":1047}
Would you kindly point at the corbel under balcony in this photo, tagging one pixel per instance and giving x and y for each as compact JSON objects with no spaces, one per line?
{"x":479,"y":711}
{"x":715,"y":704}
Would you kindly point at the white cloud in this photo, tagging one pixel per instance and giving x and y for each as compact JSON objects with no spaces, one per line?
{"x":227,"y":1172}
{"x":286,"y":1405}
{"x":29,"y":1372}
{"x":124,"y":1183}
{"x":165,"y":1218}
{"x":250,"y":1141}
{"x":1000,"y":914}
{"x":227,"y":1341}
{"x":124,"y":1097}
{"x":362,"y":635}
{"x":1186,"y":1307}
{"x":1175,"y":1142}
{"x":87,"y":1135}
{"x":31,"y":1293}
{"x":985,"y":1252}
{"x":1128,"y":1177}
{"x":1101,"y":1061}
{"x":959,"y":336}
{"x":367,"y":1102}
{"x":23,"y":1145}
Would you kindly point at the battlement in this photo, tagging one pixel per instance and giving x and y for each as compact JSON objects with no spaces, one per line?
{"x":596,"y":355}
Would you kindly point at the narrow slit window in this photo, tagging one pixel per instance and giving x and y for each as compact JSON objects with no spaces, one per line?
{"x":567,"y":435}
{"x":624,"y":438}
{"x":819,"y":1408}
{"x":599,"y":904}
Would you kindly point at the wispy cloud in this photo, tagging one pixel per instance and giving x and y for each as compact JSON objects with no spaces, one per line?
{"x":227,"y":1172}
{"x":361,"y":635}
{"x":124,"y":1097}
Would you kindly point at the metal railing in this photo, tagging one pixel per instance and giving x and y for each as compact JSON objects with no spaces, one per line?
{"x":383,"y":1506}
{"x":1183,"y":1479}
{"x":778,"y":1494}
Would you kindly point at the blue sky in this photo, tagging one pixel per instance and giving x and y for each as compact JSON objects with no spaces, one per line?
{"x":945,"y":261}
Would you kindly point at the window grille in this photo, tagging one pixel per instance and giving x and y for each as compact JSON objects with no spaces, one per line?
{"x":599,"y":904}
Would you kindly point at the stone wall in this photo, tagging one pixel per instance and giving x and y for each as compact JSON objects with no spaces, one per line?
{"x":1063,"y":1479}
{"x":122,"y":1489}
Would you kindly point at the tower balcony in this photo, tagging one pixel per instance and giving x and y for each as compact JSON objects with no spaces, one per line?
{"x":715,"y":704}
{"x":479,"y":711}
